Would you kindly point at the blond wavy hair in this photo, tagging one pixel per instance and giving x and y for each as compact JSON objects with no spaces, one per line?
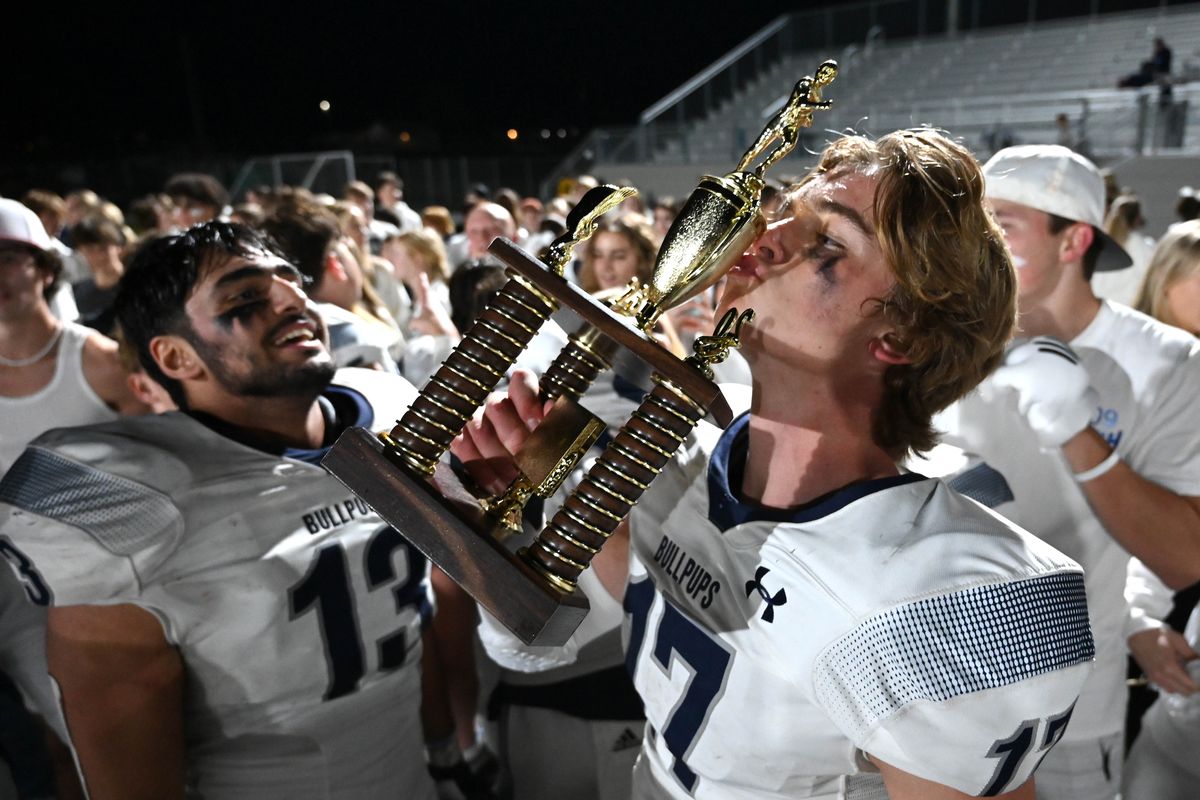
{"x":955,"y":300}
{"x":1176,"y":257}
{"x":429,"y":251}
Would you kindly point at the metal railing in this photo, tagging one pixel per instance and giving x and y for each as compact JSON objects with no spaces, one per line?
{"x":327,"y":172}
{"x":667,"y":131}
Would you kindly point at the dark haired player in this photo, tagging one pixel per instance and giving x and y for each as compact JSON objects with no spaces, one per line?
{"x":225,"y":619}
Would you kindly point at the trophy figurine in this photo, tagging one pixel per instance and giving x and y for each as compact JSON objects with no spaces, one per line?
{"x":405,"y":475}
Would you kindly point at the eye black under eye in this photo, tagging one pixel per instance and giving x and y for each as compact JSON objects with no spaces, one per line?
{"x":243,"y":310}
{"x":824,"y":247}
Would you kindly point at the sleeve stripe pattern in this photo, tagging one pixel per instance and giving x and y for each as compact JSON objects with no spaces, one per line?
{"x":983,"y":484}
{"x":954,"y":644}
{"x":123,"y":516}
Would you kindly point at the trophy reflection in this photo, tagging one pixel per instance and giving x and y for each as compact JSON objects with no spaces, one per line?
{"x":406,"y":478}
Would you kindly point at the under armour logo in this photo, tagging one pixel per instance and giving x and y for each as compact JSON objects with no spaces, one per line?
{"x":779,"y":599}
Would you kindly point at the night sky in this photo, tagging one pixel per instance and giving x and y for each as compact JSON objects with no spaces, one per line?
{"x":241,"y":78}
{"x":122,"y":94}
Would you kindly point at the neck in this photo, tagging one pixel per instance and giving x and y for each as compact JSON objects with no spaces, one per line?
{"x":275,"y":421}
{"x":806,"y":441}
{"x":1063,"y":314}
{"x":20,"y":338}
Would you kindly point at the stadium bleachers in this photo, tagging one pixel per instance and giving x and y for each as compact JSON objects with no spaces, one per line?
{"x":1018,"y":77}
{"x":985,"y":86}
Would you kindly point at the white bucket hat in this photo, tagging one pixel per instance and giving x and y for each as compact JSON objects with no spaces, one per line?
{"x":1056,"y":180}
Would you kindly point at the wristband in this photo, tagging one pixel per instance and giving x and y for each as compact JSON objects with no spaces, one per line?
{"x":1098,"y":470}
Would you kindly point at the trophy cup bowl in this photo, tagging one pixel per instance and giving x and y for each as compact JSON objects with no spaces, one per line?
{"x":405,"y":476}
{"x":719,"y":220}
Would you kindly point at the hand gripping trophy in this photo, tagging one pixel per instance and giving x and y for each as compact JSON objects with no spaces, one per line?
{"x":406,"y":478}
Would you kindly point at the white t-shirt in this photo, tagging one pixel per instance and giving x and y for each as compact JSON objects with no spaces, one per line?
{"x":1147,"y":376}
{"x":296,"y":610}
{"x":894,"y":617}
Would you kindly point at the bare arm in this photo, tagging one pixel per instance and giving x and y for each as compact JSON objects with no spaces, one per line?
{"x":903,"y":785}
{"x":1162,"y":653}
{"x":122,"y":694}
{"x":1154,"y":524}
{"x":104,"y":373}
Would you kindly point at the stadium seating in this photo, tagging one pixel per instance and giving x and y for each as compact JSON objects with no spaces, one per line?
{"x":1013,"y":79}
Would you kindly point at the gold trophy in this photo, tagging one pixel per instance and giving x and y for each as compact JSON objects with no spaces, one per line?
{"x":406,"y":478}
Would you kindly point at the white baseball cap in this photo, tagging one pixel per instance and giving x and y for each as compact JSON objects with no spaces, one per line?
{"x":19,"y":224}
{"x":1056,"y":180}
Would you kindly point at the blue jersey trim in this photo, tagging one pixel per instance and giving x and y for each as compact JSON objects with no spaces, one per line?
{"x":726,"y":510}
{"x":342,"y":406}
{"x":350,"y":410}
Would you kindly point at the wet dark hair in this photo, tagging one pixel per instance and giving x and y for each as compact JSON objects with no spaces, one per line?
{"x":159,"y":279}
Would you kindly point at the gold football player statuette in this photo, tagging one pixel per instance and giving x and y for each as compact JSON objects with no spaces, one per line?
{"x":723,"y":215}
{"x":796,"y":114}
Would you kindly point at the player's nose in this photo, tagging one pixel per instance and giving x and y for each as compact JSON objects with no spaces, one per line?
{"x":287,"y":295}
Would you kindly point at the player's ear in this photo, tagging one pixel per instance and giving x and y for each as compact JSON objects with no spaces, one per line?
{"x":885,"y":348}
{"x":1075,"y":243}
{"x":176,"y":357}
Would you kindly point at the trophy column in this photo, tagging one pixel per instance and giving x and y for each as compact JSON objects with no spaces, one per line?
{"x":464,"y":380}
{"x":476,"y":366}
{"x":614,"y":484}
{"x":575,"y":368}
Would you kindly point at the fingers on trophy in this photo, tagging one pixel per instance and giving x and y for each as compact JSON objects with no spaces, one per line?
{"x":406,"y":475}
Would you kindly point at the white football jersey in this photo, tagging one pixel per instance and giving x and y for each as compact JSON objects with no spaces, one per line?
{"x":296,"y":609}
{"x":1147,"y":377}
{"x":772,"y":648}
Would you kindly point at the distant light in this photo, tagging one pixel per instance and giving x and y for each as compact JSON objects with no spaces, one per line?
{"x":562,"y":133}
{"x":545,"y":133}
{"x":324,"y":105}
{"x":512,"y":134}
{"x":405,"y":137}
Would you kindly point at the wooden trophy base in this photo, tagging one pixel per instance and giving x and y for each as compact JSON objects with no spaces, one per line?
{"x":444,"y":521}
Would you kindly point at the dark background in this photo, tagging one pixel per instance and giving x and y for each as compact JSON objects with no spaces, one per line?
{"x":117,"y":95}
{"x":248,"y":77}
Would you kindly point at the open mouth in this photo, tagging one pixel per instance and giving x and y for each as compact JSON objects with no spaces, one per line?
{"x":301,"y":333}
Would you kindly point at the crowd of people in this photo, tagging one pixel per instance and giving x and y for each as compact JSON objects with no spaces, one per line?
{"x":195,"y":608}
